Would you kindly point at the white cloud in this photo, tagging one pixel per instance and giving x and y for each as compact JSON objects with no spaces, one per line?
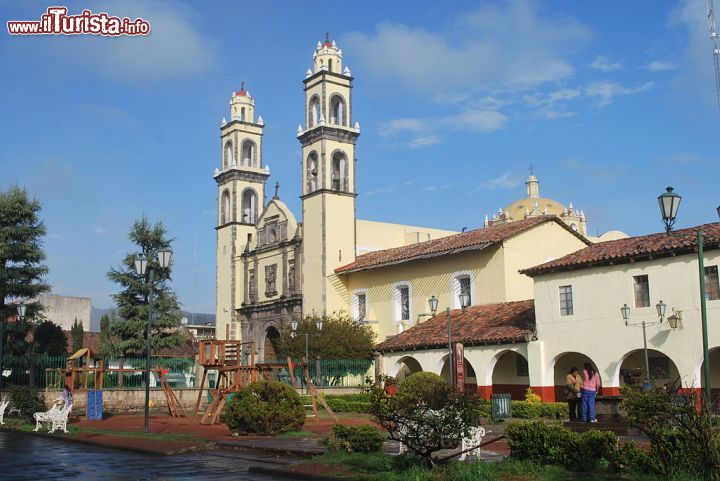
{"x":392,"y":128}
{"x":478,"y":52}
{"x":605,"y":92}
{"x":605,"y":64}
{"x":99,"y":230}
{"x":174,"y":47}
{"x":505,"y":181}
{"x":659,"y":66}
{"x":483,"y":121}
{"x":424,"y":141}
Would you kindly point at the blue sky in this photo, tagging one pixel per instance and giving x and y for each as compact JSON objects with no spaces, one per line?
{"x":611,"y":101}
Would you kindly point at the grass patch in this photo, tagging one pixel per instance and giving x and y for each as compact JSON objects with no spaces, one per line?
{"x":381,"y":467}
{"x":298,"y":434}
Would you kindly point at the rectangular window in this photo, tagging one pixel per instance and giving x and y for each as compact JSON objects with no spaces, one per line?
{"x":465,"y":287}
{"x":642,"y":291}
{"x":566,"y":301}
{"x":404,"y":303}
{"x":712,"y":284}
{"x":361,"y":309}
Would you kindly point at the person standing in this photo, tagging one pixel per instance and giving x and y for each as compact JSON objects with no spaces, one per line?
{"x":590,"y":387}
{"x":573,"y":385}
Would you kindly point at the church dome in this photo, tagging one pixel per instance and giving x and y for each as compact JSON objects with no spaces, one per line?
{"x":518,"y":208}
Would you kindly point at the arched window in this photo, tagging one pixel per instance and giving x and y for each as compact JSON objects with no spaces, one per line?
{"x":225,"y":211}
{"x":247,"y":153}
{"x":313,"y":111}
{"x":340,"y":172}
{"x":312,"y":172}
{"x":242,"y":114}
{"x":462,"y":283}
{"x":330,"y":65}
{"x":337,"y":110}
{"x":249,"y":206}
{"x":401,"y":304}
{"x":228,"y":159}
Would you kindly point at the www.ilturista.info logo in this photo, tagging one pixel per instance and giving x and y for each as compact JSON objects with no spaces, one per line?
{"x":57,"y":22}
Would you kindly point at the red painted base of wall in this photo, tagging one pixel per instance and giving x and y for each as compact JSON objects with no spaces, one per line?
{"x":610,"y":391}
{"x":484,"y":391}
{"x":546,"y":393}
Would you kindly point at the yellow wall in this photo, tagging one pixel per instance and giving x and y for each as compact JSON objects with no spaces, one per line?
{"x":373,"y":236}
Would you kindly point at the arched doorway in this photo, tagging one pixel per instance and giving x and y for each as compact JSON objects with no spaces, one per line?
{"x":510,"y":375}
{"x":714,"y":374}
{"x":663,"y":371}
{"x":272,"y":342}
{"x":470,"y":376}
{"x":561,"y":368}
{"x":406,"y":366}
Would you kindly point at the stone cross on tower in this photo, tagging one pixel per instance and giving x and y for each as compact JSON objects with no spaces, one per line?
{"x":277,"y":187}
{"x":531,"y":168}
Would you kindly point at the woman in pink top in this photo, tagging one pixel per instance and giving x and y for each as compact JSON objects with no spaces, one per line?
{"x":590,"y":388}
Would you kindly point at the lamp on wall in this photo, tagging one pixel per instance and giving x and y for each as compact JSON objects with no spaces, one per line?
{"x":625,"y":311}
{"x":675,"y":320}
{"x":661,"y":306}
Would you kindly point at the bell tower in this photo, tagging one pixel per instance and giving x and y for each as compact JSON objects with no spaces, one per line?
{"x":241,"y":197}
{"x":328,"y":179}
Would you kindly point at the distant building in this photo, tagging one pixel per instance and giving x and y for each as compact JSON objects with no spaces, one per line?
{"x":63,"y":310}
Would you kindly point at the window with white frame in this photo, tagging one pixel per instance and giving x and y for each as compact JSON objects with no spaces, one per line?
{"x":712,"y":283}
{"x":401,"y":301}
{"x":641,"y":288}
{"x":566,"y":301}
{"x":462,"y":282}
{"x":360,"y":305}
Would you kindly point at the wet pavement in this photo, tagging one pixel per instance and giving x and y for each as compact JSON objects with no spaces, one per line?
{"x":27,"y":457}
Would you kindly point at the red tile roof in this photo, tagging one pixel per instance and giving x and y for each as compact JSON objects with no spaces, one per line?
{"x":501,"y":323}
{"x":467,"y":241}
{"x":632,"y":249}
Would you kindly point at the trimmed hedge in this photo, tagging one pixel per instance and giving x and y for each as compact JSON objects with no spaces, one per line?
{"x":265,"y":407}
{"x":355,"y":439}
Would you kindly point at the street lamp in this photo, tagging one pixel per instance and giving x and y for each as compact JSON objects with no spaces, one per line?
{"x":464,"y":303}
{"x":318,"y":325}
{"x":669,"y":202}
{"x":141,"y":267}
{"x":21,"y":310}
{"x":625,"y":311}
{"x":668,"y":210}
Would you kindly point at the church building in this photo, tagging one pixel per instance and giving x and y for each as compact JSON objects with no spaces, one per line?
{"x":273,"y":268}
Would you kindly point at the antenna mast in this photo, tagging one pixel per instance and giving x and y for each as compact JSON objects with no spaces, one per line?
{"x":716,"y":49}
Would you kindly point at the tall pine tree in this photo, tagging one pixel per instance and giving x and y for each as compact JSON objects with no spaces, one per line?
{"x":77,"y":334}
{"x":132,"y":300}
{"x":22,"y":270}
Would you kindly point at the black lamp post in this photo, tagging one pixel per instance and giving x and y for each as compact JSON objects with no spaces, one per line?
{"x":464,"y":303}
{"x":669,"y":203}
{"x":21,"y":310}
{"x":141,"y":267}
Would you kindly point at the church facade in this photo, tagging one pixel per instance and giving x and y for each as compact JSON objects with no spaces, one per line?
{"x":272,"y":268}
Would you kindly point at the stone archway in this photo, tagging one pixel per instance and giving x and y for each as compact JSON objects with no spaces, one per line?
{"x":561,"y":367}
{"x":714,"y":374}
{"x":406,"y":366}
{"x":510,"y":375}
{"x":471,"y":382}
{"x":663,"y":371}
{"x":271,"y":344}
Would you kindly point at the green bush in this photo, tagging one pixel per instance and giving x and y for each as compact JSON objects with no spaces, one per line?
{"x":425,"y":387}
{"x":355,"y":439}
{"x":534,"y":410}
{"x":265,"y":407}
{"x":542,"y":443}
{"x":25,"y":400}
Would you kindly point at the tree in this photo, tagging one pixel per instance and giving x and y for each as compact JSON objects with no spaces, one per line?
{"x":132,"y":300}
{"x":107,"y":347}
{"x":77,"y":333}
{"x":50,"y":339}
{"x":340,"y":338}
{"x":22,"y":270}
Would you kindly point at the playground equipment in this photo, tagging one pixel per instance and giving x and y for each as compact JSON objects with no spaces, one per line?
{"x":235,"y":363}
{"x":83,"y":370}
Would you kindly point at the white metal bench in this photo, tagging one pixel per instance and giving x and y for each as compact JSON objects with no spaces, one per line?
{"x":56,"y":417}
{"x":3,"y":405}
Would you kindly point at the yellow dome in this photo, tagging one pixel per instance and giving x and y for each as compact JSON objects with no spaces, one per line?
{"x":518,"y":208}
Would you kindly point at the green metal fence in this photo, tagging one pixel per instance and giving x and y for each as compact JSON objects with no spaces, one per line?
{"x":180,"y":373}
{"x":29,"y":370}
{"x":330,"y":372}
